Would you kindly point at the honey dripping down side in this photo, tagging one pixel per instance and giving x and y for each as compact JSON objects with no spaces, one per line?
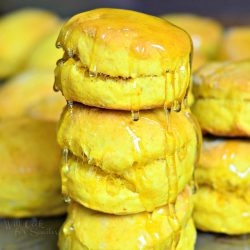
{"x":196,"y":126}
{"x":57,"y":78}
{"x":172,"y":177}
{"x":69,"y":230}
{"x":135,"y":92}
{"x":66,"y":152}
{"x":194,"y":122}
{"x":173,"y":79}
{"x":192,"y":119}
{"x":135,"y":101}
{"x":60,"y":62}
{"x":93,"y":71}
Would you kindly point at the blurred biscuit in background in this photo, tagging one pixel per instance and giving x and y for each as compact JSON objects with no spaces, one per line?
{"x":222,"y":93}
{"x":29,"y":171}
{"x":45,"y":54}
{"x":222,"y":202}
{"x":48,"y":108}
{"x":236,"y":44}
{"x":20,"y":31}
{"x":30,"y":156}
{"x":31,"y":92}
{"x":206,"y":34}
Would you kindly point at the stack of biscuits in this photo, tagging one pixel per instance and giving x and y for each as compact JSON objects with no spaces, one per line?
{"x":222,"y":92}
{"x":129,"y":141}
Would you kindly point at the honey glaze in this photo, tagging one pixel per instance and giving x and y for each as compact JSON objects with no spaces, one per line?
{"x":135,"y":35}
{"x":177,"y":83}
{"x":65,"y":170}
{"x":171,"y":174}
{"x":141,"y":175}
{"x":69,"y":231}
{"x":135,"y":101}
{"x":65,"y":155}
{"x":92,"y":64}
{"x":57,"y":81}
{"x":55,"y":87}
{"x":174,"y":81}
{"x":194,"y":122}
{"x":172,"y":177}
{"x":154,"y":236}
{"x":57,"y":76}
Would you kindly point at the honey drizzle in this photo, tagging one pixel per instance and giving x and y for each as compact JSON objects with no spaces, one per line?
{"x":70,"y":105}
{"x":135,"y":92}
{"x":92,"y":66}
{"x":171,"y":173}
{"x":172,"y":81}
{"x":135,"y":101}
{"x":57,"y":77}
{"x":67,"y":199}
{"x":58,"y":44}
{"x":57,"y":80}
{"x":192,"y":119}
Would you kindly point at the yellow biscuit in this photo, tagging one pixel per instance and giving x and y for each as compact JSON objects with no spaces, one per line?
{"x":112,"y":141}
{"x":227,"y":158}
{"x":31,"y":92}
{"x":206,"y":33}
{"x":222,"y":202}
{"x":87,"y":229}
{"x":126,"y":158}
{"x":20,"y":32}
{"x":116,"y":59}
{"x":141,"y":188}
{"x":48,"y":108}
{"x":235,"y":45}
{"x":125,"y":154}
{"x":222,"y":92}
{"x":76,"y":84}
{"x":221,"y":212}
{"x":45,"y":55}
{"x":29,"y":171}
{"x":124,"y":43}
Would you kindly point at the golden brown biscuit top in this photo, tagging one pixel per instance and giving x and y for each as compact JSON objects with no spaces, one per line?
{"x":141,"y":36}
{"x":227,"y":80}
{"x":28,"y":148}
